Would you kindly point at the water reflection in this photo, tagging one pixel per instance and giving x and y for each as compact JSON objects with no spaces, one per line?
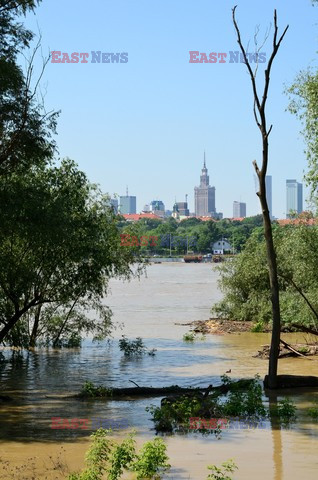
{"x":37,"y":382}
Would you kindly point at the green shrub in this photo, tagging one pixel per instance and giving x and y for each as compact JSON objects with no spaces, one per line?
{"x":96,"y":458}
{"x":134,"y":347}
{"x":313,"y":412}
{"x":152,"y":460}
{"x":89,"y":390}
{"x":105,"y":456}
{"x":285,"y":410}
{"x":247,"y":403}
{"x":220,"y":473}
{"x":258,"y":327}
{"x":189,"y":337}
{"x":121,"y":457}
{"x":244,"y":400}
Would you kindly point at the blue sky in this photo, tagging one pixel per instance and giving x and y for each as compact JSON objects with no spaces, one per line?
{"x":146,"y":123}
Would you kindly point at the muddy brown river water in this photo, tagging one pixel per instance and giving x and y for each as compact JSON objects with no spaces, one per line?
{"x":170,"y":293}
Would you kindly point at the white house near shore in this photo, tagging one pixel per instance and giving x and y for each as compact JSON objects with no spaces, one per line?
{"x":221,"y":246}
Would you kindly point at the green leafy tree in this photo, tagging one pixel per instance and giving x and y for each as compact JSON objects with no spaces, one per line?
{"x":303,"y":95}
{"x":245,"y":284}
{"x":59,"y":246}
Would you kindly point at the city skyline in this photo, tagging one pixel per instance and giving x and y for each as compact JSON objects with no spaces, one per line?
{"x":168,"y":110}
{"x":294,"y":201}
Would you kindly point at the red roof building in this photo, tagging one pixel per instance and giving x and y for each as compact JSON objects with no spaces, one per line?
{"x":134,"y":217}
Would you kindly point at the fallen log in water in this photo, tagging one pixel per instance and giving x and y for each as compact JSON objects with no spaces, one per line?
{"x":129,"y":392}
{"x":293,"y":381}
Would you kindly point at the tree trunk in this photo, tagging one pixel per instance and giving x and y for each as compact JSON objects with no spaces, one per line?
{"x":55,"y":341}
{"x":273,"y":276}
{"x":260,"y":118}
{"x":35,"y":326}
{"x":14,"y":319}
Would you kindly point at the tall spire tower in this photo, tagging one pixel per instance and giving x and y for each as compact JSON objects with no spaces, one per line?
{"x":204,"y":178}
{"x":204,"y":195}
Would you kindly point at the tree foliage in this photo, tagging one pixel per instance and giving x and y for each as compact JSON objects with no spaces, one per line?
{"x":303,"y":95}
{"x":59,"y":246}
{"x":201,"y":235}
{"x":244,"y":280}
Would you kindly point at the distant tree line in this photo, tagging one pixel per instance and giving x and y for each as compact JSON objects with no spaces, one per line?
{"x":191,"y":234}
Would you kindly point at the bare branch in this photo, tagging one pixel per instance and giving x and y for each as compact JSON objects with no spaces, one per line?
{"x":257,"y":170}
{"x":245,"y":59}
{"x":269,"y":131}
{"x":273,"y":55}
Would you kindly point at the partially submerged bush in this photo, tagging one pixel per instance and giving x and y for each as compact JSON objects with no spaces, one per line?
{"x":285,"y":410}
{"x":189,"y":337}
{"x":313,"y":412}
{"x":89,"y":390}
{"x":220,"y":473}
{"x":134,"y":347}
{"x":178,"y":413}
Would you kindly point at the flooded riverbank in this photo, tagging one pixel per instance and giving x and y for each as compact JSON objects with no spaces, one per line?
{"x":171,"y":293}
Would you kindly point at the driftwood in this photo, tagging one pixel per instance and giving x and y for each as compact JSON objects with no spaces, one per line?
{"x":150,"y":392}
{"x":293,"y":381}
{"x":175,"y":390}
{"x":287,"y":350}
{"x":289,"y":347}
{"x":302,"y":328}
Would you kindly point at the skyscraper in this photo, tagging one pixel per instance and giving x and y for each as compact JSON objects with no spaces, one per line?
{"x":158,"y":208}
{"x":294,"y":197}
{"x":239,"y":209}
{"x":204,"y":195}
{"x":183,"y":208}
{"x":157,"y":205}
{"x":127,"y":204}
{"x":268,"y":184}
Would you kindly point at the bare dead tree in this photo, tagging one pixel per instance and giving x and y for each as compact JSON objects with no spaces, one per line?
{"x":260,"y":118}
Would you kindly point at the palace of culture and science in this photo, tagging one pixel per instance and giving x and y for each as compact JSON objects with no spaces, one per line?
{"x":204,"y":197}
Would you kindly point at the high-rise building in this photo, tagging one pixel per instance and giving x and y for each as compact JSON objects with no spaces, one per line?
{"x":158,"y":208}
{"x":183,"y":209}
{"x":239,"y":209}
{"x":294,"y":197}
{"x":127,"y":204}
{"x":204,"y":196}
{"x":156,"y":205}
{"x":268,"y":184}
